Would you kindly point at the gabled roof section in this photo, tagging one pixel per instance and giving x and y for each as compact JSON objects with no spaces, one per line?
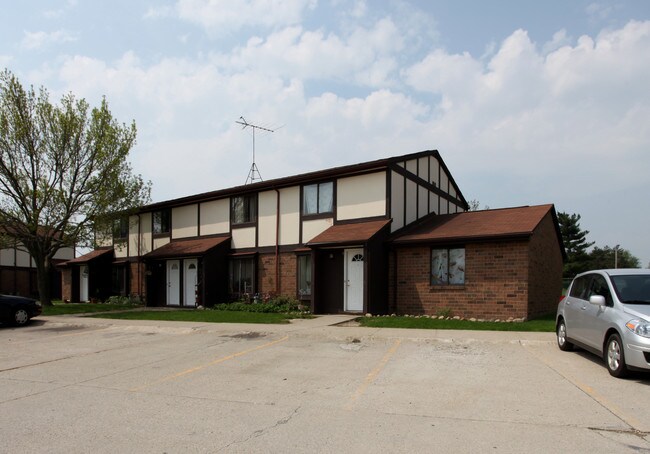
{"x":335,"y":172}
{"x":194,"y":247}
{"x":478,"y":225}
{"x":89,"y":257}
{"x":352,"y":233}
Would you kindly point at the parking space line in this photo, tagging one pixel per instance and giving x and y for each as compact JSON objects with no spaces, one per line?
{"x":372,"y":375}
{"x":630,"y":421}
{"x":211,"y":363}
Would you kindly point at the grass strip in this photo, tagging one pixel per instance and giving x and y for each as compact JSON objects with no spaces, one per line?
{"x":544,"y":324}
{"x":60,"y":308}
{"x":207,"y":316}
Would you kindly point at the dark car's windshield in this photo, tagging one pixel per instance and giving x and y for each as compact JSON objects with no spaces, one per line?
{"x":632,"y":289}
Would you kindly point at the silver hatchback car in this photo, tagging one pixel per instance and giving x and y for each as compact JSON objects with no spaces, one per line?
{"x":608,"y":313}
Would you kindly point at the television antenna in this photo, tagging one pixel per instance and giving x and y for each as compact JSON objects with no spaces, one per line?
{"x":254,"y":172}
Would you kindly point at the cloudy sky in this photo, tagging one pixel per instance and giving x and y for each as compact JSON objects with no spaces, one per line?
{"x":528,"y":102}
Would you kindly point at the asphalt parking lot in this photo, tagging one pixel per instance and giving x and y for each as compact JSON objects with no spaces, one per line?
{"x":90,"y":385}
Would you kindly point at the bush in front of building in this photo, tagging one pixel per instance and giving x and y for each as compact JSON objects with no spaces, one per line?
{"x":278,"y":304}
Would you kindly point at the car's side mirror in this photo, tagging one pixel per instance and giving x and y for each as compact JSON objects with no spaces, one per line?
{"x":598,"y":300}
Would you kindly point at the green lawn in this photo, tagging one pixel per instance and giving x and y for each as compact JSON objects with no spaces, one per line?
{"x":61,"y":308}
{"x":545,"y":324}
{"x":207,"y":316}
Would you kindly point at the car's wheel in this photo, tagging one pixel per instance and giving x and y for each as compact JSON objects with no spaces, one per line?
{"x":615,"y":357}
{"x":562,"y":341}
{"x":21,"y":317}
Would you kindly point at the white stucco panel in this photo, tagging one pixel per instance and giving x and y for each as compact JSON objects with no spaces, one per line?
{"x":290,"y":215}
{"x":185,"y":221}
{"x":267,"y":207}
{"x":397,"y":201}
{"x":312,"y":228}
{"x":361,"y":196}
{"x":160,"y":242}
{"x":215,"y":217}
{"x":243,"y":238}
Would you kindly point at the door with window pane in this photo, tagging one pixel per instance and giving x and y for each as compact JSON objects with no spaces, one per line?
{"x":189,"y":282}
{"x":354,"y":260}
{"x":173,"y":283}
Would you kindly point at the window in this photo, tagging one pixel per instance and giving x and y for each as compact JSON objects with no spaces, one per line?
{"x":599,"y":286}
{"x":318,"y":198}
{"x":161,"y":221}
{"x":120,"y":228}
{"x":242,"y":277}
{"x":119,"y":280}
{"x":579,"y":287}
{"x":304,"y":276}
{"x":448,"y":266}
{"x":243,"y":209}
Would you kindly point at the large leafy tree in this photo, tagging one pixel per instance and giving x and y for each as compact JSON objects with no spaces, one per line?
{"x":63,"y":172}
{"x":608,"y":257}
{"x":575,"y":244}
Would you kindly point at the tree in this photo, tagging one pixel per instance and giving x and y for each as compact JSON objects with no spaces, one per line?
{"x":609,"y":258}
{"x":63,"y":172}
{"x":575,"y":244}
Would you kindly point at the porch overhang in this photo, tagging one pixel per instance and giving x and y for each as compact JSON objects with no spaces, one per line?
{"x":88,"y":258}
{"x":354,"y":233}
{"x":195,"y":247}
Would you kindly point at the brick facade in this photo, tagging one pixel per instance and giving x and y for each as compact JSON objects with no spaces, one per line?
{"x":508,"y":278}
{"x":266,"y":274}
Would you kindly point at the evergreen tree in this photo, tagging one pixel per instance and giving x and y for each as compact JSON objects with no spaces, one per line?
{"x":575,"y":244}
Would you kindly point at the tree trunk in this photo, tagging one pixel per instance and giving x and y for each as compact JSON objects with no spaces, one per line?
{"x":43,"y":277}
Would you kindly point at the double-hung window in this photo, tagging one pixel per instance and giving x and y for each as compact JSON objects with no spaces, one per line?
{"x":161,"y":222}
{"x":121,"y":229}
{"x":448,"y":266}
{"x":304,"y":276}
{"x":243,"y":209}
{"x":318,"y":198}
{"x":242,"y":277}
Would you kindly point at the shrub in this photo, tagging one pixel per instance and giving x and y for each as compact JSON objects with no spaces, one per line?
{"x":133,"y":300}
{"x":278,"y":304}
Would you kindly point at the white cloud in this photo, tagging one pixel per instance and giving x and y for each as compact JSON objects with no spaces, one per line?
{"x":218,"y":16}
{"x":41,"y":39}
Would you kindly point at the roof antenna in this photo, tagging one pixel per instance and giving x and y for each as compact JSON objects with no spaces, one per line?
{"x":254,"y":172}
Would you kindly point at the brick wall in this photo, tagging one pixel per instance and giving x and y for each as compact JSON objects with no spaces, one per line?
{"x":545,"y":269}
{"x":496,"y":282}
{"x":288,"y":274}
{"x":137,"y":285}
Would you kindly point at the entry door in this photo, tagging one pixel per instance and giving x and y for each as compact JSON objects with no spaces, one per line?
{"x":173,"y":283}
{"x":354,"y":280}
{"x":83,"y":283}
{"x":189,"y":282}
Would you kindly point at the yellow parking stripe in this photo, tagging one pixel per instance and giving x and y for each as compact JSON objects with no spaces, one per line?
{"x":212,"y":363}
{"x":373,"y":375}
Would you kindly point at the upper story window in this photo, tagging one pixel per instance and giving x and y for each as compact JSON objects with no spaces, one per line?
{"x":318,"y":198}
{"x":121,"y":228}
{"x":161,"y":221}
{"x":243,"y":209}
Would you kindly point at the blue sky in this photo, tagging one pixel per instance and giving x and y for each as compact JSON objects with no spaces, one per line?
{"x":528,"y":102}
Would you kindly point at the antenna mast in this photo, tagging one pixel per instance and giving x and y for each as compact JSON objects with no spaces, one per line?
{"x":254,"y":172}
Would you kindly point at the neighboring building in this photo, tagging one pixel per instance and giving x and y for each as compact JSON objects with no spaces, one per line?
{"x":18,"y":271}
{"x":492,"y":264}
{"x":323,"y":237}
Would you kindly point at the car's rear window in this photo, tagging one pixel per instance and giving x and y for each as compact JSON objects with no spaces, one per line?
{"x":632,"y":288}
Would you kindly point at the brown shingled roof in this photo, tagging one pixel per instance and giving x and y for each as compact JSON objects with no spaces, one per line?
{"x":89,"y":256}
{"x":186,"y":248}
{"x":475,"y":225}
{"x":358,"y":232}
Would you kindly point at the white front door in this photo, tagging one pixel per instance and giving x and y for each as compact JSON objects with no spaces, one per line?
{"x":354,"y":259}
{"x":189,"y":282}
{"x":83,"y":283}
{"x":173,"y":283}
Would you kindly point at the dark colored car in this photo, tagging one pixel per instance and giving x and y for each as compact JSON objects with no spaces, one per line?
{"x":18,"y":310}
